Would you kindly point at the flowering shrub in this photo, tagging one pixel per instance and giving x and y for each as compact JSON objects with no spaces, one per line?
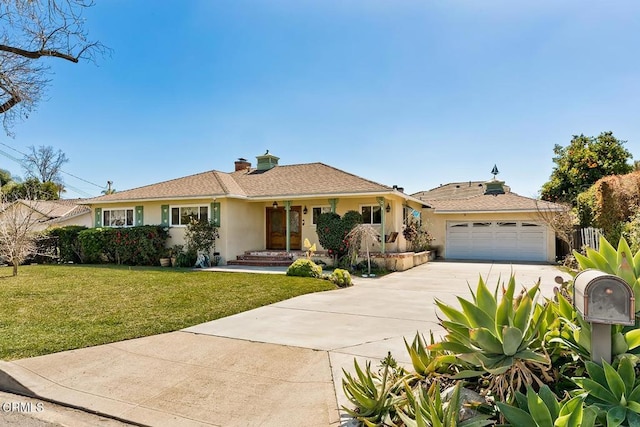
{"x":142,"y":245}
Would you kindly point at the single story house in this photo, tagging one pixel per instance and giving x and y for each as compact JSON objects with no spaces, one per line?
{"x":270,"y":207}
{"x":478,"y":220}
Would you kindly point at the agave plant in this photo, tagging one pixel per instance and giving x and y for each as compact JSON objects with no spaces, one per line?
{"x":374,"y":394}
{"x":620,"y":262}
{"x":615,"y":392}
{"x":542,"y":409}
{"x":428,"y":409}
{"x":502,"y":338}
{"x":428,"y":361}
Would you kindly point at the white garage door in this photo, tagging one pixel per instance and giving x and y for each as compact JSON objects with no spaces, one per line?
{"x":496,"y":240}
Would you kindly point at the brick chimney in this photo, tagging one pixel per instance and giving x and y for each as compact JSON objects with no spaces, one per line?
{"x":242,"y":164}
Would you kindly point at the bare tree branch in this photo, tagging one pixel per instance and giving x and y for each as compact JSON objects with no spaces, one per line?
{"x":31,"y":30}
{"x":37,"y":54}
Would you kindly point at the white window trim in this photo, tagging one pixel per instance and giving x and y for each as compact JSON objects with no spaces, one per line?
{"x":372,"y":205}
{"x":126,"y":208}
{"x":171,"y":207}
{"x":321,"y":208}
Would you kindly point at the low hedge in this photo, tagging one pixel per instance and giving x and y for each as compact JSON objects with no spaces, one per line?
{"x":143,"y":245}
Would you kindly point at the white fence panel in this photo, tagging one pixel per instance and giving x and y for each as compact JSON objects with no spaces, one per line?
{"x":591,"y":237}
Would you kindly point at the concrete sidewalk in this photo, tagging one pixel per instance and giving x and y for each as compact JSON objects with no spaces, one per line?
{"x":279,"y":365}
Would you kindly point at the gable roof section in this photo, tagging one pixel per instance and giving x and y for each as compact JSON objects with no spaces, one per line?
{"x":205,"y":184}
{"x":508,"y":202}
{"x":307,"y":179}
{"x":463,"y":197}
{"x":304,"y":179}
{"x":54,"y":210}
{"x":455,"y":190}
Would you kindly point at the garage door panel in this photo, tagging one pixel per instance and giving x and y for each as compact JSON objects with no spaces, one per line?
{"x":504,"y":240}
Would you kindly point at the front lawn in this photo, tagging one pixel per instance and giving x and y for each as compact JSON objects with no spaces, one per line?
{"x":51,"y":308}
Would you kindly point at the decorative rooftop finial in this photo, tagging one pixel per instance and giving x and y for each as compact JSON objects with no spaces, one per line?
{"x":495,"y":171}
{"x":266,"y":152}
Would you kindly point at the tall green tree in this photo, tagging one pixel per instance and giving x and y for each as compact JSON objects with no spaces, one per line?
{"x":584,"y":161}
{"x":32,"y":189}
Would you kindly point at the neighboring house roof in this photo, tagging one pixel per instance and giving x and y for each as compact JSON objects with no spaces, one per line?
{"x":54,"y":210}
{"x":309,"y":179}
{"x":469,"y":197}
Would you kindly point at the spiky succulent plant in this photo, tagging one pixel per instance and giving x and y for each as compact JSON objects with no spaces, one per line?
{"x":500,"y":336}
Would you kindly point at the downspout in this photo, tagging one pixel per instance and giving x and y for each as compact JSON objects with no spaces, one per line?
{"x":383,"y":220}
{"x":287,"y":209}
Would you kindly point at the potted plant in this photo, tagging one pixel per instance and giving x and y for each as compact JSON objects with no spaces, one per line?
{"x":165,"y":258}
{"x":175,"y":251}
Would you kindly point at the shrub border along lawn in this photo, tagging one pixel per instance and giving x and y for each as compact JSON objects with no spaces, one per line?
{"x":52,"y":308}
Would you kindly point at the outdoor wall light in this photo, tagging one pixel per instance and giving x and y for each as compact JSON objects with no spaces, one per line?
{"x":388,"y":209}
{"x":305,"y":210}
{"x":275,"y":205}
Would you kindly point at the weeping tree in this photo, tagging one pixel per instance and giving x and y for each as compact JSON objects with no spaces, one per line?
{"x":359,"y":236}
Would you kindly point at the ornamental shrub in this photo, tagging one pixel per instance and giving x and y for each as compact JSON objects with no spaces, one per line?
{"x":142,"y":245}
{"x":332,"y":231}
{"x":304,"y":268}
{"x":68,"y":245}
{"x":341,"y":278}
{"x":92,"y":245}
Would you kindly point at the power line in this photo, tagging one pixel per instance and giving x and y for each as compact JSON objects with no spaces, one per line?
{"x":64,"y":172}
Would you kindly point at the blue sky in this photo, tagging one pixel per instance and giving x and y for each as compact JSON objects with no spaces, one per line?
{"x":412,"y":93}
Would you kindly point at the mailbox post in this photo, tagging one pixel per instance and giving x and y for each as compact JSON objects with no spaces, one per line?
{"x":603,"y":300}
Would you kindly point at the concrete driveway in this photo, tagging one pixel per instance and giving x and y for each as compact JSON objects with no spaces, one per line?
{"x":277,"y":365}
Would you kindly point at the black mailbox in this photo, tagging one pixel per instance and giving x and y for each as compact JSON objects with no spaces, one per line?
{"x":603,"y":298}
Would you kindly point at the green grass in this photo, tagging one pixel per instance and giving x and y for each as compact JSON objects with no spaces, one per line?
{"x":46,"y":309}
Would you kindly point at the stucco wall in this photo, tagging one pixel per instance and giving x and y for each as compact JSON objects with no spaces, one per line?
{"x":84,"y":220}
{"x":243,"y":226}
{"x":437,"y":225}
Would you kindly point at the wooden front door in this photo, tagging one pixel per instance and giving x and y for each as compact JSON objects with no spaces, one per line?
{"x":277,"y":228}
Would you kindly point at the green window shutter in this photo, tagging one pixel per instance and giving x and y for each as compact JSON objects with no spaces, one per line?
{"x":139,"y":215}
{"x":165,"y":215}
{"x":215,"y":213}
{"x":98,"y":219}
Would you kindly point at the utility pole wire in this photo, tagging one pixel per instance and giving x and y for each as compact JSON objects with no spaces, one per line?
{"x":64,"y":172}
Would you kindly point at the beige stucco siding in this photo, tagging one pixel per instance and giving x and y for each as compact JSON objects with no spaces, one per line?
{"x":242,"y":227}
{"x":82,"y":220}
{"x":437,"y":225}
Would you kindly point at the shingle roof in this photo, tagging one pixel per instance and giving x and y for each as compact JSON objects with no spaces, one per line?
{"x":455,"y":190}
{"x":56,"y":209}
{"x":303,"y":179}
{"x":508,"y":202}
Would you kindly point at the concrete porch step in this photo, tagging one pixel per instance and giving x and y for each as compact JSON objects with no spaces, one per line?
{"x":261,"y":263}
{"x":268,"y":258}
{"x":263,"y":258}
